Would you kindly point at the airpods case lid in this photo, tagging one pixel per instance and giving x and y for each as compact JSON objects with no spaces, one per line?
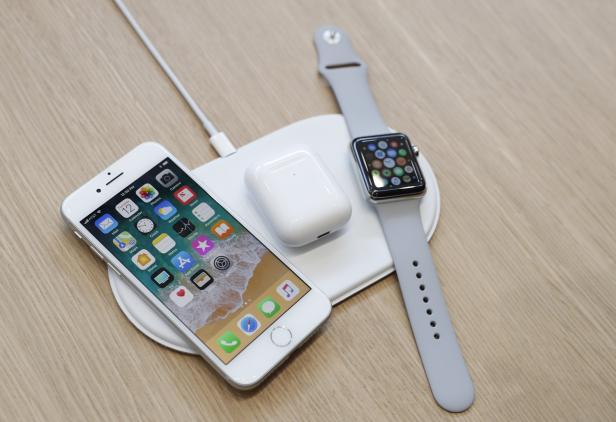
{"x":298,"y":196}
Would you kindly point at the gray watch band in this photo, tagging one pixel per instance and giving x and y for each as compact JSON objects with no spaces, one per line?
{"x":425,"y":304}
{"x":347,"y":75}
{"x":440,"y":353}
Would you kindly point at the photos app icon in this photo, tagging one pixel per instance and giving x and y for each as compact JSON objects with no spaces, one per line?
{"x":147,"y":193}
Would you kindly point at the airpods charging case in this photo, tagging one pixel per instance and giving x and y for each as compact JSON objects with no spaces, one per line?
{"x":298,"y":196}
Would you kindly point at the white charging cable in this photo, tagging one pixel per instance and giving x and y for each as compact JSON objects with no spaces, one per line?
{"x":218,"y":140}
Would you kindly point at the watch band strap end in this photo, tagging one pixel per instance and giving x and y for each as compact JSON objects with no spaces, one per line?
{"x":347,"y":75}
{"x":335,"y":50}
{"x":434,"y":334}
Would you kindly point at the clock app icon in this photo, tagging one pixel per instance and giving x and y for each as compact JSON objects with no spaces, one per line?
{"x":145,"y":225}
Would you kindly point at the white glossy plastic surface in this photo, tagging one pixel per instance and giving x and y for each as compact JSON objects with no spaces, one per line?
{"x":298,"y":196}
{"x":340,"y":265}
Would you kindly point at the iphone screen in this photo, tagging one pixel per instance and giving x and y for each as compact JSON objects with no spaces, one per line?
{"x":200,"y":262}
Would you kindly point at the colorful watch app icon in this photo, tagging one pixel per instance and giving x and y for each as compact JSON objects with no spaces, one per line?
{"x":228,"y":342}
{"x":106,"y":223}
{"x":268,"y":307}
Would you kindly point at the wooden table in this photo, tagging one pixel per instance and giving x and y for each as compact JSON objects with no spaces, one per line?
{"x":514,"y":105}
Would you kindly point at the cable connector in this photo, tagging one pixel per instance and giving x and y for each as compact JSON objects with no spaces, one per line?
{"x":219,"y":140}
{"x":222,"y":144}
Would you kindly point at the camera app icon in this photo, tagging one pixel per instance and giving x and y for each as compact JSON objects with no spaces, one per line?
{"x":166,"y":178}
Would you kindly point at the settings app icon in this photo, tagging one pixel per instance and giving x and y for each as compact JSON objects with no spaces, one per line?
{"x":222,"y":263}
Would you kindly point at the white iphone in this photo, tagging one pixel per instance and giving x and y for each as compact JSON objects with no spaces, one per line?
{"x":240,"y":302}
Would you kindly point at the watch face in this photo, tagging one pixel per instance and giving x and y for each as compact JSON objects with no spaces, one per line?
{"x":145,"y":225}
{"x":388,"y":166}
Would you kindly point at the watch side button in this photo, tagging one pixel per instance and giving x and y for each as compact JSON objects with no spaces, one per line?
{"x":281,"y":336}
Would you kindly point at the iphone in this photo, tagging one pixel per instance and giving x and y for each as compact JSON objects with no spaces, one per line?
{"x":242,"y":304}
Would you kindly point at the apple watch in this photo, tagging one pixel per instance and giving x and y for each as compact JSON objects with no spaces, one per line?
{"x":389,"y":171}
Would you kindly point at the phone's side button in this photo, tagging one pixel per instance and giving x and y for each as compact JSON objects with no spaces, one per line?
{"x":115,"y":270}
{"x":97,"y":253}
{"x":77,"y":234}
{"x":281,"y":336}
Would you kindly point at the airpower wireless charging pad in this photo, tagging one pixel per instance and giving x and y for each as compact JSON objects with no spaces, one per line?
{"x":340,"y":264}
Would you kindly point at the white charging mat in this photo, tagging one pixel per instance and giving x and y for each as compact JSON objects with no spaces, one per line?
{"x":340,"y":264}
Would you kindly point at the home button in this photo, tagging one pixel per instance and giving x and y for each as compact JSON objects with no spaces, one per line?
{"x":281,"y":336}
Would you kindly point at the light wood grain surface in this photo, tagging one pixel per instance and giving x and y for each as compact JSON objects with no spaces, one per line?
{"x":514,"y":105}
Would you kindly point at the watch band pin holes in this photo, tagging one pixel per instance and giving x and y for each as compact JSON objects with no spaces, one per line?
{"x":425,"y":299}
